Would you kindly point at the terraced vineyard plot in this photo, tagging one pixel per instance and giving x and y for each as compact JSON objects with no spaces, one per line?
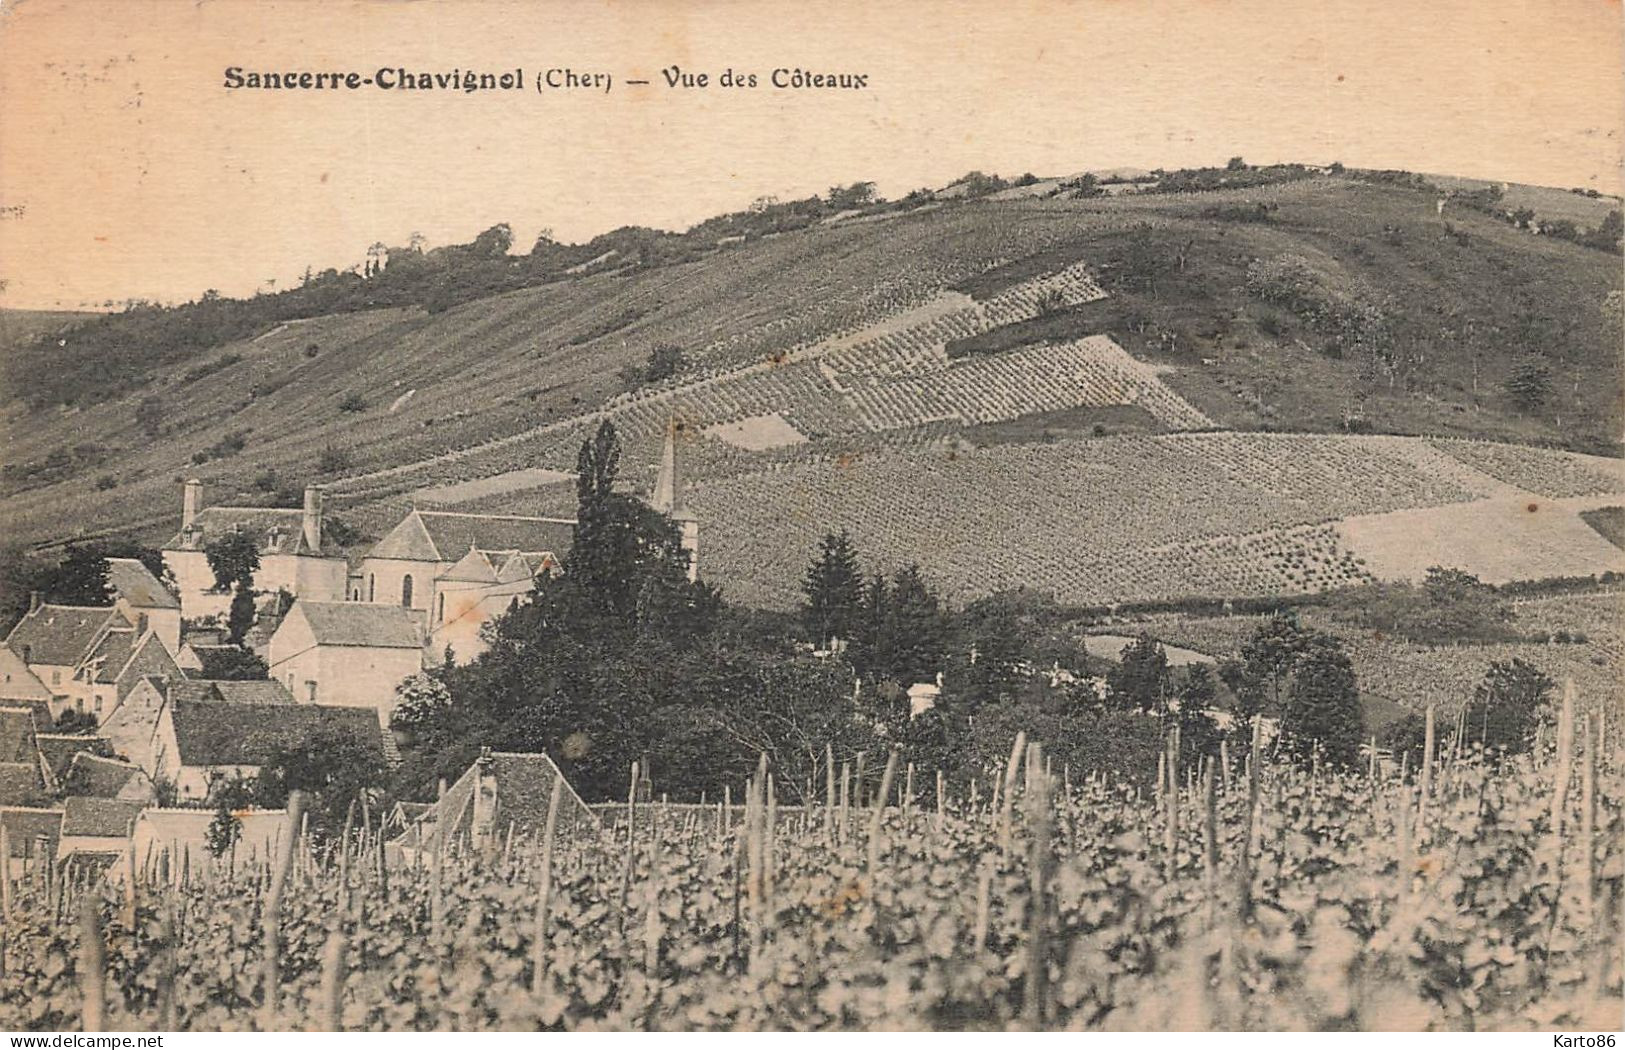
{"x":1114,"y":519}
{"x":1539,"y":471}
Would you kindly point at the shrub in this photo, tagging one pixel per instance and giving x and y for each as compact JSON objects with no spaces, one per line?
{"x":333,"y":460}
{"x":352,"y":402}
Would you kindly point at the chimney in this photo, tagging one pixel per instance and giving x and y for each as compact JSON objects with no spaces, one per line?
{"x":33,"y":601}
{"x":313,"y":518}
{"x":140,"y":625}
{"x":191,"y":502}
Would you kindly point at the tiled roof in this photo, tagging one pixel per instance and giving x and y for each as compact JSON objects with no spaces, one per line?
{"x":278,"y":530}
{"x":149,"y":659}
{"x":17,"y":735}
{"x":17,"y":682}
{"x":59,"y":634}
{"x":110,"y":653}
{"x":360,"y":624}
{"x":136,"y":584}
{"x":95,"y":776}
{"x":212,"y":733}
{"x":445,"y":536}
{"x":98,"y":817}
{"x":20,"y":783}
{"x":524,"y":785}
{"x":25,"y":824}
{"x":473,"y":567}
{"x":59,"y":749}
{"x":262,"y":691}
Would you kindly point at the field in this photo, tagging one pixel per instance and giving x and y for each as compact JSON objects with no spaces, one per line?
{"x":1483,"y":898}
{"x":841,"y":330}
{"x":1133,"y":518}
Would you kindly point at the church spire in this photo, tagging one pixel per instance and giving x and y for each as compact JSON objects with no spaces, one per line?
{"x":668,"y":494}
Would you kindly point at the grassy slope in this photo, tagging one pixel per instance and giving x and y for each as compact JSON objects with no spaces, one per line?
{"x":501,"y":365}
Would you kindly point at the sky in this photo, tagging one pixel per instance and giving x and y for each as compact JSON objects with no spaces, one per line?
{"x":128,"y":170}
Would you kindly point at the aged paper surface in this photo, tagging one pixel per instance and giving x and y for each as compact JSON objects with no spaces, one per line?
{"x":768,"y":516}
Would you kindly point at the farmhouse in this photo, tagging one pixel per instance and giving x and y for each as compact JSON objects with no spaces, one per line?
{"x":500,"y":794}
{"x":18,"y":684}
{"x":96,"y":831}
{"x":200,"y":742}
{"x":131,"y":728}
{"x":294,"y":554}
{"x":53,"y":641}
{"x":346,"y":653}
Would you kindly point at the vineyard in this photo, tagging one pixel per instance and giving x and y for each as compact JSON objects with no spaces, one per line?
{"x":1245,"y":894}
{"x":1123,"y":518}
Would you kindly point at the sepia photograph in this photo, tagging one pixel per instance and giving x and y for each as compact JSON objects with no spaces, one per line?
{"x":747,"y":516}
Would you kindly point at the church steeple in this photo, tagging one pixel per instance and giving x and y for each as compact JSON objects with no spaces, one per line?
{"x":668,"y":498}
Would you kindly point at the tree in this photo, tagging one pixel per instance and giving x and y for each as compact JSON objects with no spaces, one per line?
{"x":333,"y":769}
{"x":1235,"y":164}
{"x":1529,"y":382}
{"x":1140,"y":679}
{"x":1507,"y":705}
{"x":992,"y":670}
{"x":857,"y":195}
{"x":237,"y":664}
{"x":81,"y":578}
{"x":1323,"y":711}
{"x":234,"y":558}
{"x":241,"y":615}
{"x":492,"y":243}
{"x":833,"y":587}
{"x":1259,"y":679}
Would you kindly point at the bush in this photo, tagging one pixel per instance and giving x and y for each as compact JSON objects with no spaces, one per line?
{"x":352,"y":402}
{"x":334,"y":460}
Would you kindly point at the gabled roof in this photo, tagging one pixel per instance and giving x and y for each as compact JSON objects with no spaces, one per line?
{"x":474,"y":567}
{"x":17,"y":682}
{"x":150,"y":659}
{"x":97,"y":776}
{"x":60,"y":749}
{"x":211,"y":733}
{"x":109,"y":655}
{"x":360,"y":624}
{"x":446,"y":536}
{"x":135,"y":583}
{"x":18,"y":740}
{"x":278,"y":530}
{"x":60,"y":634}
{"x":99,"y":817}
{"x":24,"y":824}
{"x":524,"y":785}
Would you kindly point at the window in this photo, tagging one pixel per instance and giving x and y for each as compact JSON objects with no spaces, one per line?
{"x":310,"y":691}
{"x":406,"y":590}
{"x":56,"y":676}
{"x":442,"y":614}
{"x":372,"y":587}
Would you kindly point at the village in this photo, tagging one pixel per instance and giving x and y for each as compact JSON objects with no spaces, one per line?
{"x":116,"y":735}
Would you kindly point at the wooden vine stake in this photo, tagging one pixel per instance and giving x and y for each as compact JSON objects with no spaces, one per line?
{"x":1565,"y":759}
{"x":271,"y":939}
{"x":334,"y":974}
{"x":92,"y":964}
{"x":1009,"y":785}
{"x":829,"y":792}
{"x":544,"y":892}
{"x":1588,"y":827}
{"x":1040,"y":818}
{"x":1427,"y":775}
{"x":879,"y":809}
{"x":1210,"y":844}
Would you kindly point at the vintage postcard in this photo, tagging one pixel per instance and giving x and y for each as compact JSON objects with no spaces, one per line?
{"x":741,"y":515}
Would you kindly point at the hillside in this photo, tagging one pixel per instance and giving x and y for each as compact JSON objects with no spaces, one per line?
{"x":989,"y":327}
